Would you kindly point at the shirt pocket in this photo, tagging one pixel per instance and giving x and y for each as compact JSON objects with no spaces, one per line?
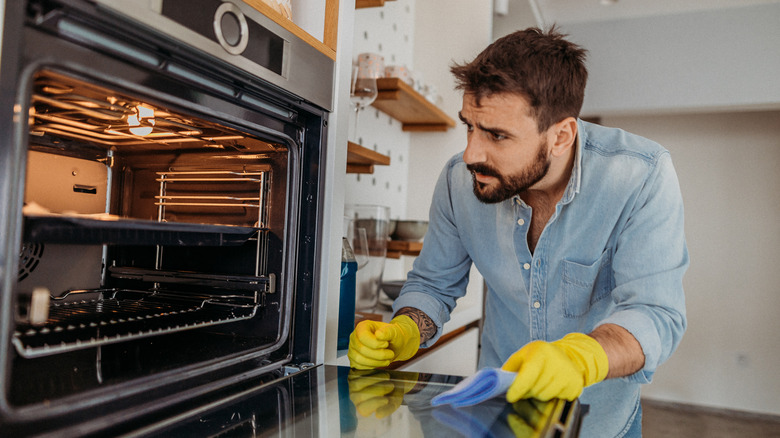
{"x":583,"y":285}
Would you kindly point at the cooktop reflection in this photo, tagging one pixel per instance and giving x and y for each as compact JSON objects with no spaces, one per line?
{"x":332,"y":401}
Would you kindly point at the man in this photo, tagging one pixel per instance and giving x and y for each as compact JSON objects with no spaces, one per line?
{"x":576,"y":228}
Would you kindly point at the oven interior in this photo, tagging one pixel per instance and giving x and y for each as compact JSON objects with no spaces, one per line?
{"x":153,"y":238}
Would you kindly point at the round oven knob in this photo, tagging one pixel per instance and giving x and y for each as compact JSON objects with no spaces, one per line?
{"x":230,"y":28}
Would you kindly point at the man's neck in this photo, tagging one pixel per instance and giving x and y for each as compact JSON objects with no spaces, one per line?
{"x":551,"y":188}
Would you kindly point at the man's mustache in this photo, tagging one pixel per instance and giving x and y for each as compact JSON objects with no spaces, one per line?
{"x":484,"y":169}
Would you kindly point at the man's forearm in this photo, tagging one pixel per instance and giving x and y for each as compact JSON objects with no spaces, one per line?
{"x":423,"y":321}
{"x":623,"y":350}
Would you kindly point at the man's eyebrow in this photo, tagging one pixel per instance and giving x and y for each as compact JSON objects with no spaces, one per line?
{"x":494,"y":131}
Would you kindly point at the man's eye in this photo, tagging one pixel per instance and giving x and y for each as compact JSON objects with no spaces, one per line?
{"x":497,"y":137}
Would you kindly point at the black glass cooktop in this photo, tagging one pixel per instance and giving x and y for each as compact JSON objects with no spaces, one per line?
{"x":333,"y":401}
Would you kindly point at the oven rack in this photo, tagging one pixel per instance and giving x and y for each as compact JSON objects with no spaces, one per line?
{"x":125,"y":315}
{"x":197,"y":192}
{"x":121,"y":231}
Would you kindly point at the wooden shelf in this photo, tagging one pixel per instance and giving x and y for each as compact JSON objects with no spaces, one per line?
{"x":362,"y":160}
{"x":399,"y":100}
{"x":369,"y":3}
{"x":397,"y":248}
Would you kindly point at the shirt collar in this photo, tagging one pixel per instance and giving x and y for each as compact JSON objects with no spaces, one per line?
{"x":573,"y":187}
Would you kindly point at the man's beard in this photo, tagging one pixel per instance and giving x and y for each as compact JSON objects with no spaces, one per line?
{"x":511,"y":185}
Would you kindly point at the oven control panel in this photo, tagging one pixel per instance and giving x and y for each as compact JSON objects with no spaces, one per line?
{"x":226,"y":24}
{"x":239,"y":34}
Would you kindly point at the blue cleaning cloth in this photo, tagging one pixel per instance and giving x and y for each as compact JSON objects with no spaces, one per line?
{"x":483,"y":421}
{"x":484,"y":385}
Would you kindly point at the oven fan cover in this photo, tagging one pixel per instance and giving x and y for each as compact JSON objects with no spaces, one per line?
{"x":29,"y":258}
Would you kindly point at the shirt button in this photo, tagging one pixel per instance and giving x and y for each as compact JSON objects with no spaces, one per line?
{"x":526,"y":266}
{"x":537,"y":304}
{"x":520,"y":222}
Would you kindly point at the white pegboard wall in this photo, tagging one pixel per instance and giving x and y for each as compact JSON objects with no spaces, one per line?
{"x":388,"y":31}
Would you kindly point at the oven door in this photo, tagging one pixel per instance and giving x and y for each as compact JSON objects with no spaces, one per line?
{"x":156,"y":290}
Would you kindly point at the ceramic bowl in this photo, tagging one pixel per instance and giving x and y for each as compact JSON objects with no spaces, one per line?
{"x":393,"y":288}
{"x":410,"y":230}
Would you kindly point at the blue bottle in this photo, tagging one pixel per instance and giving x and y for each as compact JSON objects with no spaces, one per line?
{"x":349,"y":268}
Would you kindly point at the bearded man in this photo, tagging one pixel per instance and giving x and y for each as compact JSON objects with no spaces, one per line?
{"x":576,"y":228}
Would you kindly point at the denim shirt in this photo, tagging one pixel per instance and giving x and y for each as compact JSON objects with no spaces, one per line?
{"x":613,"y":251}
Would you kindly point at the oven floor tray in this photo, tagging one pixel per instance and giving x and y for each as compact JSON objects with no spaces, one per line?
{"x":92,"y":231}
{"x":126,"y":315}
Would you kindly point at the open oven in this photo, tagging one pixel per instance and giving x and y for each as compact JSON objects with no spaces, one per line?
{"x":160,"y":168}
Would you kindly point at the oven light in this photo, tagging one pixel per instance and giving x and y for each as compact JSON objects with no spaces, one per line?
{"x":134,"y":121}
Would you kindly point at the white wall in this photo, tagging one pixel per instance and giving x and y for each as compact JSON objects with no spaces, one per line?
{"x":700,"y":61}
{"x":388,"y":31}
{"x":447,"y":31}
{"x":520,"y":15}
{"x":729,"y":170}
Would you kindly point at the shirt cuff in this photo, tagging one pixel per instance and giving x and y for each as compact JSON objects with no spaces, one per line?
{"x":645,"y":332}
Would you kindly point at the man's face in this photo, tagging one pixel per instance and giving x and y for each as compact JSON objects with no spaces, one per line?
{"x":505,"y":152}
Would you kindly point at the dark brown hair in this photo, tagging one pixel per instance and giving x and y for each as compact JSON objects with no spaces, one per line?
{"x":541,"y":66}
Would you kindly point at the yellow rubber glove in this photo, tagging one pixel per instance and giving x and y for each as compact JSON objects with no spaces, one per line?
{"x":528,"y":417}
{"x":379,"y":392}
{"x":375,"y":344}
{"x":559,"y":369}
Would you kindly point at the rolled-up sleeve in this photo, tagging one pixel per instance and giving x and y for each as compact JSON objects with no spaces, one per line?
{"x":650,"y":260}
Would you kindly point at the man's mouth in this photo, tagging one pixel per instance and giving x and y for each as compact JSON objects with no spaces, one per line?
{"x":483,"y":174}
{"x":482,"y":178}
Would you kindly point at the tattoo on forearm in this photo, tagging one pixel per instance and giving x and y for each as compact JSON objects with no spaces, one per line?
{"x":423,"y":321}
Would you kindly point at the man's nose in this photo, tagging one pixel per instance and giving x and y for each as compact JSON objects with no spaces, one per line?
{"x":475,"y":150}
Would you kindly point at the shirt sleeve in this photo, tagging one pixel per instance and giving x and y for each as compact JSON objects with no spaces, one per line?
{"x":440,"y":273}
{"x":649,"y":262}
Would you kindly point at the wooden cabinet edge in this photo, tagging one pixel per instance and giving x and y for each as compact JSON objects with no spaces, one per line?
{"x":328,"y":47}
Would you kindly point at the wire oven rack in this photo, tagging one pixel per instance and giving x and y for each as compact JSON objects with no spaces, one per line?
{"x":123,"y":315}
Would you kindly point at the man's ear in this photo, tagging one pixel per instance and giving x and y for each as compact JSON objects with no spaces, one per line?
{"x":562,"y":136}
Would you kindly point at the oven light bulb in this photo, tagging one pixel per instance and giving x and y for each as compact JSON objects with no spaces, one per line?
{"x":134,"y":121}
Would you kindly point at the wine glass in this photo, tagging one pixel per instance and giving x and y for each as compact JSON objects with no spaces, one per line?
{"x":363,"y":91}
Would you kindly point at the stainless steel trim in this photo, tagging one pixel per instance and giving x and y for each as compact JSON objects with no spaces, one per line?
{"x":243,"y":36}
